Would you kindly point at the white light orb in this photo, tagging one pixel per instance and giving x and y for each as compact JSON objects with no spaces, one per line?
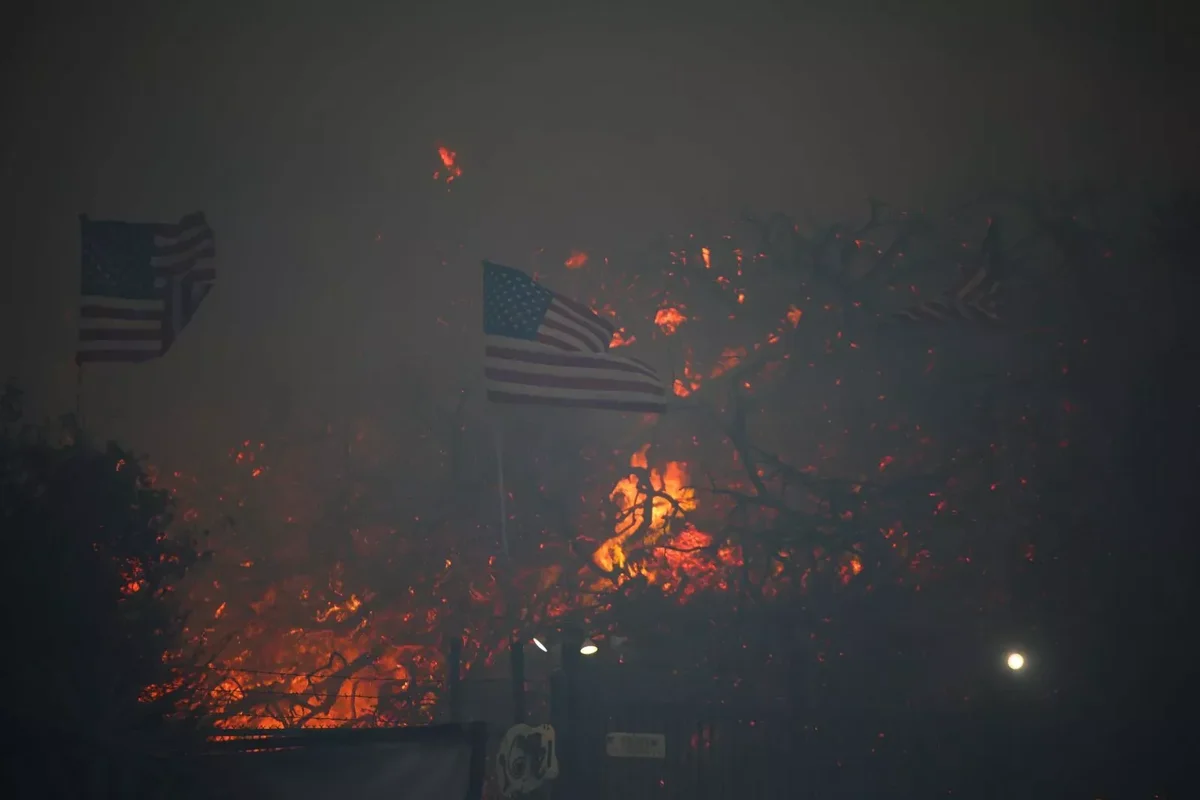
{"x":1015,"y":661}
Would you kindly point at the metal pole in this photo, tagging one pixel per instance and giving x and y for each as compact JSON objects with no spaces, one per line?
{"x":517,"y":650}
{"x":503,"y":499}
{"x":568,"y":739}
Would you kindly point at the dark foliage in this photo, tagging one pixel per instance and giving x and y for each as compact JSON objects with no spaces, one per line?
{"x":90,"y":619}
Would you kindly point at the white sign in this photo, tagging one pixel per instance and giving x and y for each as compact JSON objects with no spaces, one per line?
{"x":636,"y":745}
{"x":526,"y":757}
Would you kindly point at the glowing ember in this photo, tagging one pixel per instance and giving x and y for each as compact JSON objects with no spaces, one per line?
{"x":690,"y":381}
{"x":577,"y":260}
{"x":850,"y":566}
{"x":621,"y":339}
{"x":450,"y":170}
{"x":730,"y":358}
{"x":669,"y":319}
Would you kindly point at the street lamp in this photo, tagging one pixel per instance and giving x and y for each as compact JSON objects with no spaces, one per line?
{"x":538,"y":644}
{"x":588,"y":648}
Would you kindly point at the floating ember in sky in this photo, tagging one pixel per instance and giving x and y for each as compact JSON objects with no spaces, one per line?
{"x":450,"y":170}
{"x":577,"y":260}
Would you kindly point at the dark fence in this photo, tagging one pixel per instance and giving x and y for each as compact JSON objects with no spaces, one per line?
{"x":440,"y":762}
{"x":650,"y":749}
{"x":627,"y":735}
{"x":623,"y":733}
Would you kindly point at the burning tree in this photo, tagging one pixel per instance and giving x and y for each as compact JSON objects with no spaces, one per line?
{"x":832,"y":449}
{"x":868,"y":410}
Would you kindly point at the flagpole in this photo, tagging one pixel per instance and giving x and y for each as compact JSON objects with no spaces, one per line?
{"x":500,"y":485}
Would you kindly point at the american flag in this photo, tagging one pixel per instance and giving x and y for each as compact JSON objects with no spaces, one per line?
{"x":546,"y":349}
{"x":140,"y":285}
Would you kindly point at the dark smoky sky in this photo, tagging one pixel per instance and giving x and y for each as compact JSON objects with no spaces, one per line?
{"x":307,"y":132}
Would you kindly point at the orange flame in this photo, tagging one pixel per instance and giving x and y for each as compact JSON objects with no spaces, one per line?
{"x":850,"y":566}
{"x":283,"y":678}
{"x":691,"y":379}
{"x":730,"y":358}
{"x":621,"y":338}
{"x":672,"y":481}
{"x":669,"y":319}
{"x":578,"y":260}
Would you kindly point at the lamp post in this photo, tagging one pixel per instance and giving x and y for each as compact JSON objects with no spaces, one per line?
{"x":517,"y":651}
{"x":1015,"y":717}
{"x":571,"y":767}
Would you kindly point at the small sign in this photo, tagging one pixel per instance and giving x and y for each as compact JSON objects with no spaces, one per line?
{"x":526,"y":759}
{"x":636,"y":745}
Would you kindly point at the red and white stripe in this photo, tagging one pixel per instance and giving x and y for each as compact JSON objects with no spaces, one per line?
{"x":179,"y":248}
{"x":570,"y":326}
{"x":117,"y":329}
{"x":120,"y":329}
{"x":520,"y":371}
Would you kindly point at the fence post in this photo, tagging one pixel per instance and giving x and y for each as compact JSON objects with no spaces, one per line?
{"x":570,"y":765}
{"x":516,"y":649}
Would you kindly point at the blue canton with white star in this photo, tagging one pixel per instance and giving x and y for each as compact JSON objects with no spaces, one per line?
{"x":117,"y":260}
{"x":513,"y":304}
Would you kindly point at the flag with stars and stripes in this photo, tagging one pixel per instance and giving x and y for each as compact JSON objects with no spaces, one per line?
{"x":141,"y":283}
{"x":543,"y":348}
